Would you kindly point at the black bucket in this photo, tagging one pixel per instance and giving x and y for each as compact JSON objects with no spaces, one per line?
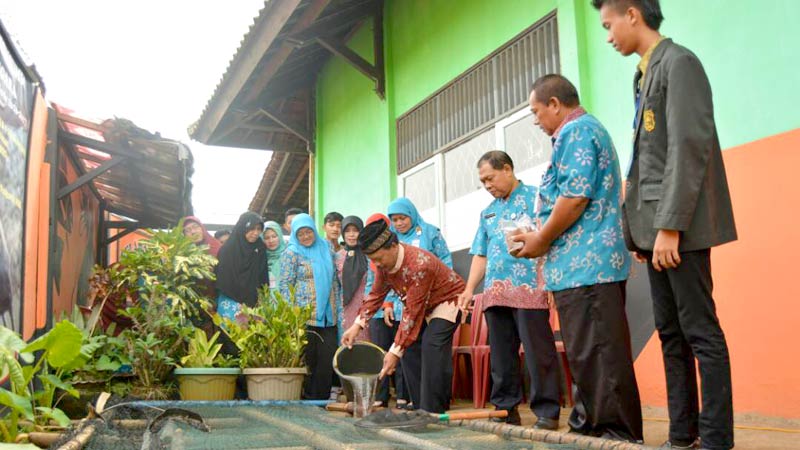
{"x":364,"y":359}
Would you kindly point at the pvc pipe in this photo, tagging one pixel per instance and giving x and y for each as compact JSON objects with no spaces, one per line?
{"x":228,"y":403}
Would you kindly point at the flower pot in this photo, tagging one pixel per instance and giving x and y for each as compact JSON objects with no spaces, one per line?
{"x":275,"y":384}
{"x":207,"y":383}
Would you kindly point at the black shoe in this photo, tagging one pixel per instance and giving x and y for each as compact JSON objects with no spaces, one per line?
{"x":612,"y":436}
{"x":511,"y":419}
{"x":684,"y":445}
{"x":543,"y":423}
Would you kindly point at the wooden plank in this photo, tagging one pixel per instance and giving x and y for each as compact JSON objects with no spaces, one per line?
{"x":295,"y":128}
{"x":377,"y":48}
{"x":259,"y":40}
{"x":89,"y":176}
{"x":296,"y":184}
{"x":281,"y":171}
{"x":353,"y":58}
{"x":309,"y":15}
{"x":333,"y":22}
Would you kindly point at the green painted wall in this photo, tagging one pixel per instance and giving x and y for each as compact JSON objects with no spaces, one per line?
{"x":748,"y":48}
{"x":433,"y":41}
{"x":353,"y":158}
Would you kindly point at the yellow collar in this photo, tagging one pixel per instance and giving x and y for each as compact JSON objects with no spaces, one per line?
{"x":645,"y":61}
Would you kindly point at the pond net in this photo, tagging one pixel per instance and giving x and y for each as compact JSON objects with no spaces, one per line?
{"x":137,"y":427}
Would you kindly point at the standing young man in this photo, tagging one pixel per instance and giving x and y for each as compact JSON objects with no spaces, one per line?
{"x":677,"y":207}
{"x":515,"y":307}
{"x":333,"y":229}
{"x":587,"y":264}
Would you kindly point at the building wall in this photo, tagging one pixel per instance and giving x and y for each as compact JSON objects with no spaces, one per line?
{"x":428,"y":43}
{"x":75,"y":246}
{"x":353,"y":161}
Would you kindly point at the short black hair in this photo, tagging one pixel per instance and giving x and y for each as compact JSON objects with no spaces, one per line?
{"x":221,"y":233}
{"x":497,"y":159}
{"x":292,"y":212}
{"x":558,"y":86}
{"x":333,"y":216}
{"x":650,"y":9}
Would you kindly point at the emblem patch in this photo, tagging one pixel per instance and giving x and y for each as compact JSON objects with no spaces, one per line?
{"x":649,"y":120}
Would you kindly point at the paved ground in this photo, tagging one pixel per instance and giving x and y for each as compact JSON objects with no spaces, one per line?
{"x":752,"y":432}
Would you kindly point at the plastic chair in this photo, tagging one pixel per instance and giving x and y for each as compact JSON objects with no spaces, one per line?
{"x":475,"y":356}
{"x":461,"y":383}
{"x":562,"y":352}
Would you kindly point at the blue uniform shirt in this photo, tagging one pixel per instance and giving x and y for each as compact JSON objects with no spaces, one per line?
{"x":585,"y":164}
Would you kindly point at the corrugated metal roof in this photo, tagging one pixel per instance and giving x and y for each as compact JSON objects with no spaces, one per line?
{"x":151,"y":185}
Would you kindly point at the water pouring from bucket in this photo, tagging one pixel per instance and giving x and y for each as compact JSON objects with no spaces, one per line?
{"x":359,"y":368}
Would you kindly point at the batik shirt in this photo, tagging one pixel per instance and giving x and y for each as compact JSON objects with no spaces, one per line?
{"x":509,"y":281}
{"x":584,"y":164}
{"x":297,"y":274}
{"x":428,"y":289}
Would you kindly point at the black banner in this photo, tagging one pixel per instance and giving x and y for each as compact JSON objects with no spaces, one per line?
{"x":16,"y":108}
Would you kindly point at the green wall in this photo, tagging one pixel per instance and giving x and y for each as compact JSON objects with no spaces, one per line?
{"x":433,"y":41}
{"x":747,"y":46}
{"x":353,"y":159}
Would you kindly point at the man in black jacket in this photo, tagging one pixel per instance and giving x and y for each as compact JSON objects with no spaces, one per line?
{"x":677,"y":207}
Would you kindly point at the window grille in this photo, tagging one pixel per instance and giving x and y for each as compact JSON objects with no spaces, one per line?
{"x":488,"y":91}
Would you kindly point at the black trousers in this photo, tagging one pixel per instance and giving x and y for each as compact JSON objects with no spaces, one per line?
{"x":319,"y":359}
{"x":594,"y":328}
{"x":428,"y":366}
{"x":382,"y":335}
{"x":687,"y":324}
{"x":508,"y":328}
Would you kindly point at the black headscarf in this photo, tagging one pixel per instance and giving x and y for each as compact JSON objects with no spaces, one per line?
{"x":355,"y":263}
{"x":243,"y":267}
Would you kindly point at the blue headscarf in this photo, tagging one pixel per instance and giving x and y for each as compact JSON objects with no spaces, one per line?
{"x":420,"y":230}
{"x":319,"y":253}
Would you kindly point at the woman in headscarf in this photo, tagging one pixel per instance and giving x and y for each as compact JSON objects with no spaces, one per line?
{"x":353,"y":268}
{"x":382,"y":331}
{"x":273,"y":239}
{"x":307,"y":268}
{"x":411,"y":229}
{"x":194,"y":229}
{"x":242,"y":268}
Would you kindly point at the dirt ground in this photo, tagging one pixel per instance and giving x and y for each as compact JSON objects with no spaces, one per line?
{"x":752,"y":432}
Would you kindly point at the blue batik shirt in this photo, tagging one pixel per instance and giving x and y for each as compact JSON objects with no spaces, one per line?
{"x":584,"y":164}
{"x":509,"y":281}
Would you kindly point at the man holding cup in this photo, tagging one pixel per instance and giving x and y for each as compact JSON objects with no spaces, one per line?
{"x":587,"y":262}
{"x":515,"y":308}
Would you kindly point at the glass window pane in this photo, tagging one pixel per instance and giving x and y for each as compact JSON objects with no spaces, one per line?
{"x":527,"y":144}
{"x":420,"y":188}
{"x":460,"y":174}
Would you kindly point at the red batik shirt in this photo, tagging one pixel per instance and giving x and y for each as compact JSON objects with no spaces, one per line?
{"x":426,"y":286}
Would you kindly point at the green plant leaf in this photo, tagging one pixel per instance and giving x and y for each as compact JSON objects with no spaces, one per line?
{"x":16,"y":402}
{"x":11,"y":341}
{"x":55,"y":414}
{"x":106,"y":364}
{"x":53,"y":380}
{"x":64,"y":343}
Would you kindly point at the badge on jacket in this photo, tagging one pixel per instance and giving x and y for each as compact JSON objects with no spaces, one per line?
{"x":649,"y":120}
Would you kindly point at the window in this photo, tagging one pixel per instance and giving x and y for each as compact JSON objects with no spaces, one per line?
{"x":485,"y":93}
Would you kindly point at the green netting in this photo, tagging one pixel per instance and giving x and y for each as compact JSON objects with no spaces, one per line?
{"x":283,"y":427}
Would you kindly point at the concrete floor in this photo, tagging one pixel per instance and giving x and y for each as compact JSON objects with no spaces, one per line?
{"x":752,"y":432}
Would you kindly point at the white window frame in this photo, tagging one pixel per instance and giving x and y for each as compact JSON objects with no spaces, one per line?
{"x":531,"y":176}
{"x":437,"y":161}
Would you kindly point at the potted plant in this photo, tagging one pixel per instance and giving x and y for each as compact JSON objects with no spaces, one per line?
{"x":163,"y":277}
{"x":271,"y":338}
{"x":205,"y":373}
